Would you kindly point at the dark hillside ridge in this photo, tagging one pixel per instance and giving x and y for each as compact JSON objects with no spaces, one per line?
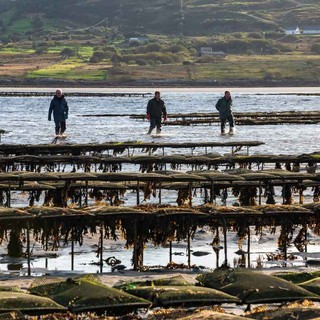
{"x":187,"y":17}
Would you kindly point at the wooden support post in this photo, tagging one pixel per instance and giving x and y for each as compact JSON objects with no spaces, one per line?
{"x":135,"y":245}
{"x":189,"y":249}
{"x":160,"y":192}
{"x":170,"y":251}
{"x":300,"y":195}
{"x":206,"y":195}
{"x":28,"y":249}
{"x":260,"y":195}
{"x":137,"y":249}
{"x":9,"y":195}
{"x":217,"y":250}
{"x":249,"y":245}
{"x":285,"y":245}
{"x":190,"y":192}
{"x":225,"y":243}
{"x":86,"y":198}
{"x":72,"y":248}
{"x":305,"y":237}
{"x":117,"y":196}
{"x":101,"y":247}
{"x":165,"y":165}
{"x":212,"y":192}
{"x":138,"y":193}
{"x":46,"y":246}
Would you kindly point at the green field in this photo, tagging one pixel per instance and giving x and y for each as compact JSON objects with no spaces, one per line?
{"x":91,"y":41}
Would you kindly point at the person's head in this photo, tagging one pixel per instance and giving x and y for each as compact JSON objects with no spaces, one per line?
{"x":227,"y":95}
{"x":59,"y":93}
{"x":157,"y":95}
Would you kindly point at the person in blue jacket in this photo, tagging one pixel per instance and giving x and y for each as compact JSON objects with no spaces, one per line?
{"x":59,"y":108}
{"x":224,"y":106}
{"x":156,"y":109}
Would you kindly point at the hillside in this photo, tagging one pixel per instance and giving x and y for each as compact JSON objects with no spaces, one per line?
{"x":88,"y":40}
{"x":190,"y":17}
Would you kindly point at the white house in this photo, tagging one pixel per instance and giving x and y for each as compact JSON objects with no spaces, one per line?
{"x":302,"y":30}
{"x":140,"y":40}
{"x":207,"y":51}
{"x":292,"y":30}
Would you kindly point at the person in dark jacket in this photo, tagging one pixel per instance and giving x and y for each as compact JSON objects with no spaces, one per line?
{"x":59,"y":108}
{"x":224,"y":106}
{"x":156,"y":109}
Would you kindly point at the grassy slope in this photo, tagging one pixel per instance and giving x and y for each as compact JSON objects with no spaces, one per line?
{"x":276,"y":67}
{"x":199,"y":17}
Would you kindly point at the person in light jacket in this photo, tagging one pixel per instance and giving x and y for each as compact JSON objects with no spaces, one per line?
{"x":59,"y":108}
{"x":224,"y":106}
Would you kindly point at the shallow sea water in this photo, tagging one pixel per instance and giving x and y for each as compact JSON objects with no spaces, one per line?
{"x":25,"y":119}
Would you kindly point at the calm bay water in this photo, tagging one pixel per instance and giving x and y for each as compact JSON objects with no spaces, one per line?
{"x":25,"y":119}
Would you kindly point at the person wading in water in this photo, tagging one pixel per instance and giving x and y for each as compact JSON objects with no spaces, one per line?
{"x":59,"y":108}
{"x":224,"y":106}
{"x":156,"y":109}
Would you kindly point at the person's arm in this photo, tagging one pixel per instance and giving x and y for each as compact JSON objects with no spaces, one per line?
{"x":148,"y":110}
{"x":218,"y":105}
{"x":149,"y":107}
{"x":50,"y":111}
{"x":66,"y":111}
{"x":164,"y":112}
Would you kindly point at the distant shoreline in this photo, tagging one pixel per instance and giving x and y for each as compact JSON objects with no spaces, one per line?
{"x":40,"y":83}
{"x":149,"y":90}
